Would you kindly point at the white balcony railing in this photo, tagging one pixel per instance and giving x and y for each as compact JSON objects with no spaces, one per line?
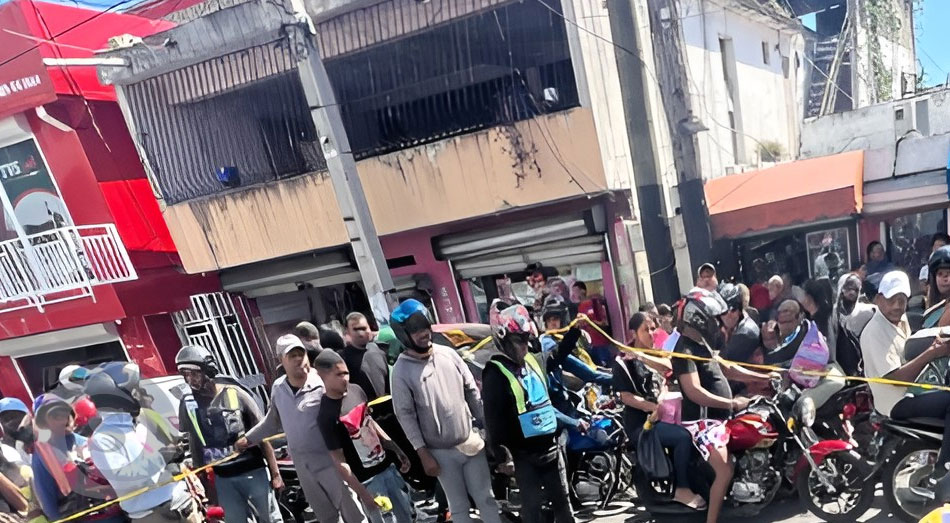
{"x":61,"y":264}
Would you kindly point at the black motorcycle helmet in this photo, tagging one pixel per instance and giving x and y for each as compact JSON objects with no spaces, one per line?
{"x":554,"y":307}
{"x":731,"y":295}
{"x":195,"y":357}
{"x":409,"y":317}
{"x":698,"y":315}
{"x":103,"y":390}
{"x":940,"y":259}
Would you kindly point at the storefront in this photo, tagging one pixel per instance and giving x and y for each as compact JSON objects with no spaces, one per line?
{"x":797,"y":218}
{"x":906,"y":198}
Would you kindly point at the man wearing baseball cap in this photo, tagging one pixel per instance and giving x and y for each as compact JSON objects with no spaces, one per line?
{"x":882,"y":345}
{"x":295,"y":403}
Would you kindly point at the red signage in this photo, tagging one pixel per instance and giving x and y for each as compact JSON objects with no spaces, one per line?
{"x":24,"y":82}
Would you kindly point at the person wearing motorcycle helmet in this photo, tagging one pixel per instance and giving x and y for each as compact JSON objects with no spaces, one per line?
{"x":522,"y":421}
{"x":741,"y":332}
{"x":129,"y":455}
{"x":17,"y":424}
{"x":707,"y":398}
{"x":554,"y":314}
{"x":215,"y":415}
{"x":938,"y":289}
{"x":435,"y":398}
{"x":61,"y":479}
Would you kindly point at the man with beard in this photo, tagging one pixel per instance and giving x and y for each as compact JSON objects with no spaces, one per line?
{"x":435,"y":398}
{"x":215,"y":415}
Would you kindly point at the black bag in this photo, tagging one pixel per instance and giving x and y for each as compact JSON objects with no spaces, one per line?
{"x":651,"y":456}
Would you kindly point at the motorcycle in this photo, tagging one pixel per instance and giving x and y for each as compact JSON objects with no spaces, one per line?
{"x":598,"y":466}
{"x":774,"y":446}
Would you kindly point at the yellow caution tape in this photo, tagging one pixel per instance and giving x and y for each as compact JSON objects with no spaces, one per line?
{"x":770,"y":368}
{"x":484,"y":342}
{"x":174,"y":479}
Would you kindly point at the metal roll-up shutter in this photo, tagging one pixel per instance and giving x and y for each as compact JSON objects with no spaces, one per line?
{"x":558,"y":241}
{"x":287,"y":275}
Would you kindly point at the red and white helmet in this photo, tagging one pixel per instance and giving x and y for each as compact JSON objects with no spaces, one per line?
{"x":506,"y":319}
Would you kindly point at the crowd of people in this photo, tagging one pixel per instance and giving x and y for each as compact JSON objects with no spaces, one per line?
{"x":94,"y":437}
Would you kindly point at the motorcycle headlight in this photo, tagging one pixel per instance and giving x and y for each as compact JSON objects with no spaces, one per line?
{"x":805,"y":411}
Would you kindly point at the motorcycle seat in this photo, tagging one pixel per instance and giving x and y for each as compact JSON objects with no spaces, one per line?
{"x":917,"y":422}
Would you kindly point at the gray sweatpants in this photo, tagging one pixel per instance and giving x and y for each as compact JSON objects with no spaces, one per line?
{"x":463,"y":476}
{"x":330,"y":498}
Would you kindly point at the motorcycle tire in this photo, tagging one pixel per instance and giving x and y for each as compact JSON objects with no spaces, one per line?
{"x":890,"y":469}
{"x":805,"y":485}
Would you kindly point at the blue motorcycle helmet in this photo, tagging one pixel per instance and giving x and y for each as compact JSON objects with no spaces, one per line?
{"x":410,"y":317}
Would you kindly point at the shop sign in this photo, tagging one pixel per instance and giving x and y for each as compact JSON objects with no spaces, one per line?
{"x":24,"y":81}
{"x":37,"y":204}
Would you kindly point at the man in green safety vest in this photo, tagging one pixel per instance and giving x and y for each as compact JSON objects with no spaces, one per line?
{"x":519,"y":416}
{"x":216,"y":415}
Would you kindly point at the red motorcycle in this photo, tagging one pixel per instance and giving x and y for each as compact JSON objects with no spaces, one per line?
{"x":775,"y":451}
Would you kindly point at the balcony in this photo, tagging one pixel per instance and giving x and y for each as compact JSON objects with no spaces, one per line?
{"x":61,"y":264}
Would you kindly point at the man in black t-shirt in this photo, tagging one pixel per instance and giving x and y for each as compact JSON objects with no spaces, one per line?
{"x":358,"y":445}
{"x":706,"y":393}
{"x":367,"y":363}
{"x":215,"y":415}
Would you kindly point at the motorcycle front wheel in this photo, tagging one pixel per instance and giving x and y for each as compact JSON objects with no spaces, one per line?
{"x":847,"y":497}
{"x":909,"y":469}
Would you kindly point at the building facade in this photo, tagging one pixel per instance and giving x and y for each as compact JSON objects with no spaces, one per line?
{"x":88,"y":269}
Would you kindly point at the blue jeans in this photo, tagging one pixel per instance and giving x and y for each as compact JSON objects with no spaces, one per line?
{"x":390,"y":484}
{"x":247,"y":495}
{"x":680,"y":445}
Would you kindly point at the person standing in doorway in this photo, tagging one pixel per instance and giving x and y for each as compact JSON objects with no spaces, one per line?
{"x":368,"y":364}
{"x":436,"y":398}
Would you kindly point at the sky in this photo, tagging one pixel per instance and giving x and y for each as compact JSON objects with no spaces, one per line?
{"x":933,"y":40}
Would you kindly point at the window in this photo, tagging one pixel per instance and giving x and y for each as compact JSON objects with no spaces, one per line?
{"x":766,"y":54}
{"x":500,"y":66}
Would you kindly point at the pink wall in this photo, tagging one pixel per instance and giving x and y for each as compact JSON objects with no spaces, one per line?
{"x":418,"y":244}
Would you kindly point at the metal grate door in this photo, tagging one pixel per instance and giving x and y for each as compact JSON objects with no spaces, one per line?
{"x":212,"y":322}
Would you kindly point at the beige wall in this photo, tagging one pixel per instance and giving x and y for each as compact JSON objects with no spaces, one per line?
{"x":453,"y":179}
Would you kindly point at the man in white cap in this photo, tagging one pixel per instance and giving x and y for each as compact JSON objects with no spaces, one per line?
{"x":882,"y":345}
{"x":295,"y":403}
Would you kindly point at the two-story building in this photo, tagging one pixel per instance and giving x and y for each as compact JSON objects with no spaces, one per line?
{"x":476,"y":148}
{"x":88,"y":269}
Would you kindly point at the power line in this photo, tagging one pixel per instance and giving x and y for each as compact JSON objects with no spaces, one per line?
{"x":68,"y":29}
{"x":656,"y":79}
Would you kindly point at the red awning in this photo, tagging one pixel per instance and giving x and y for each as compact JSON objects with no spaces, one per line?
{"x":48,"y":21}
{"x":137,"y":215}
{"x":801,"y":192}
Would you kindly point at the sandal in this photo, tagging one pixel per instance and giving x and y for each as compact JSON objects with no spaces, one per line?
{"x":697,"y":503}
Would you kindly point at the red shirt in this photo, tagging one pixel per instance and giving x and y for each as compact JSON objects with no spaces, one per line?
{"x":759,"y":297}
{"x":597,"y":312}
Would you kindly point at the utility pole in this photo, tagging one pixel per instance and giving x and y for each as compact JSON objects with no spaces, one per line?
{"x":346,"y":181}
{"x":640,"y":133}
{"x":669,"y":53}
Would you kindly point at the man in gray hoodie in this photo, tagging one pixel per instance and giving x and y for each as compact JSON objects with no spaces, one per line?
{"x":295,"y":402}
{"x":435,"y":398}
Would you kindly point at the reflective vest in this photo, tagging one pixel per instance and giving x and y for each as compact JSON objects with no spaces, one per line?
{"x":231,"y":404}
{"x":536,"y":415}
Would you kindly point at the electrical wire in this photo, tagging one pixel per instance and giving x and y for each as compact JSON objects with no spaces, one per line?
{"x":654,"y":76}
{"x":68,"y":29}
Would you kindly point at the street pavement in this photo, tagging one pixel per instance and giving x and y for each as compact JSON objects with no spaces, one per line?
{"x":786,"y":511}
